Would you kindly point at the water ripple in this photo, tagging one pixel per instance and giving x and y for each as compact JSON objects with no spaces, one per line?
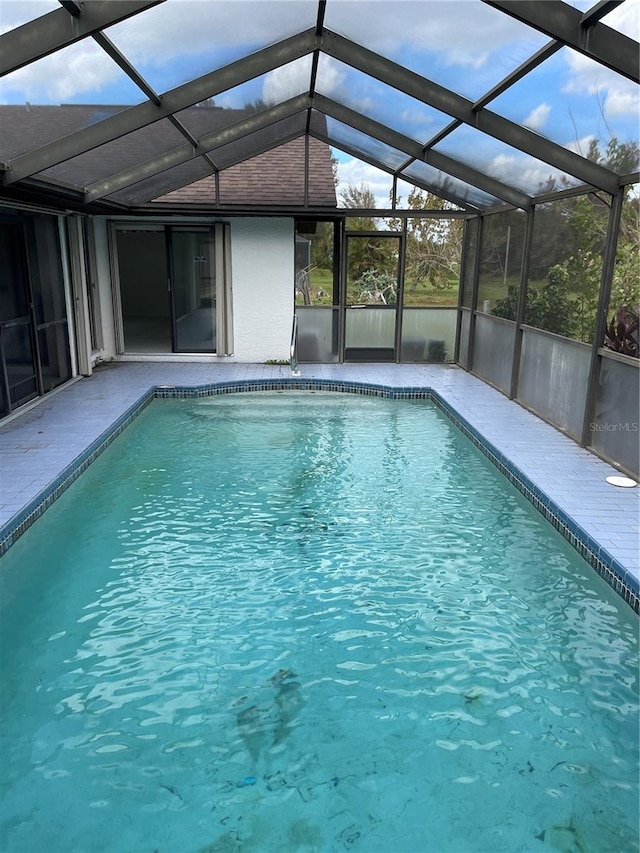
{"x":368,"y":622}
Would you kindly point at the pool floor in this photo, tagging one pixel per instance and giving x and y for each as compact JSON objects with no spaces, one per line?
{"x":371,"y":643}
{"x":38,"y":445}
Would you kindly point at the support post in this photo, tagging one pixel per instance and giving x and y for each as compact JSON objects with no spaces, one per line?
{"x":522,"y":301}
{"x":608,"y":266}
{"x":474,"y":295}
{"x":464,"y":260}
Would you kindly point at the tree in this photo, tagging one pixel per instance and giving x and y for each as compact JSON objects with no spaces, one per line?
{"x":433,"y":249}
{"x":363,"y":198}
{"x":334,"y":168}
{"x":569,"y":240}
{"x":322,"y":246}
{"x":501,"y":248}
{"x":548,"y":307}
{"x":625,"y":287}
{"x":434,"y":245}
{"x":368,"y":256}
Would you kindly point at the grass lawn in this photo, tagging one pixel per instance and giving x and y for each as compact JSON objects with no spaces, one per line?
{"x":321,"y":292}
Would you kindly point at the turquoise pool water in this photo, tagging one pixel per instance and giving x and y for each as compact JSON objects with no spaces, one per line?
{"x":309,"y":622}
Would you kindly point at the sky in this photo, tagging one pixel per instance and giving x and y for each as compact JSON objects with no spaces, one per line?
{"x":569,"y":99}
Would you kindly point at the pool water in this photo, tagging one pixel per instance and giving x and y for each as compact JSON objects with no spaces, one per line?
{"x":309,"y":622}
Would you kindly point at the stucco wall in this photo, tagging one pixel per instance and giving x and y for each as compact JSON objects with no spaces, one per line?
{"x":262,"y":264}
{"x":262,"y":253}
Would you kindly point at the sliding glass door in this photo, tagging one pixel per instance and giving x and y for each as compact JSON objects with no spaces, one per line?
{"x":175,"y":288}
{"x":193,"y":289}
{"x":17,"y":351}
{"x":34,"y":335}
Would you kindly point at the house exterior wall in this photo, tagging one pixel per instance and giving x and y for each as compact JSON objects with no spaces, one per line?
{"x":262,"y":258}
{"x":262,"y":269}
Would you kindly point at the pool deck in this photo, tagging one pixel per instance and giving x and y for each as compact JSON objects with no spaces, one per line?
{"x":44,"y":441}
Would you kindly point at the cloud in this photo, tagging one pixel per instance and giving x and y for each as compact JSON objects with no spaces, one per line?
{"x":14,"y":13}
{"x":173,"y":42}
{"x":525,"y":173}
{"x":537,"y":118}
{"x":625,"y":19}
{"x":62,"y":76}
{"x":289,"y":80}
{"x":467,"y":34}
{"x":195,"y":26}
{"x":617,"y":95}
{"x":169,"y":43}
{"x":355,"y":172}
{"x":581,"y":146}
{"x":621,"y":102}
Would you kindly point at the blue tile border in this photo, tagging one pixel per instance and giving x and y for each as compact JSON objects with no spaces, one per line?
{"x":615,"y":574}
{"x":34,"y":509}
{"x":622,"y":581}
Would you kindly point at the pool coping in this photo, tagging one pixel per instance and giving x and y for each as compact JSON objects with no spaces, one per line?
{"x":611,"y":570}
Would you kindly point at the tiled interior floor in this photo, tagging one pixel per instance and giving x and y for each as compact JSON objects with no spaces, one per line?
{"x":38,"y":445}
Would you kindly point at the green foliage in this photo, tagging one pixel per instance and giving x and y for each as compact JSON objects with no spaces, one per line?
{"x":371,"y":254}
{"x":549,"y":306}
{"x":625,"y":287}
{"x":334,"y":168}
{"x":434,"y":250}
{"x":376,"y":286}
{"x":553,"y":308}
{"x":322,"y":246}
{"x":362,"y":197}
{"x":621,"y":157}
{"x":570,"y":236}
{"x":621,"y":334}
{"x":508,"y":307}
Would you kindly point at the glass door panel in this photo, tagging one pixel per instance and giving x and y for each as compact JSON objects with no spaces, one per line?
{"x":50,"y":309}
{"x":317,"y":290}
{"x":55,"y":359}
{"x":142,"y":271}
{"x":19,"y":358}
{"x":13,"y":294}
{"x":18,"y":370}
{"x":193,"y":282}
{"x":372,"y":282}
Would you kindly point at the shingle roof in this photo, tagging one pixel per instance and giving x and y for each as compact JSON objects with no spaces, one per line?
{"x":275,"y":177}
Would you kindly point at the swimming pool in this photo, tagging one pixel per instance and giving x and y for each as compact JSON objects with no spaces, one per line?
{"x":310,"y":622}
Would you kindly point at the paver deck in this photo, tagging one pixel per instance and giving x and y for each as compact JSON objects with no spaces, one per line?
{"x":39,"y":444}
